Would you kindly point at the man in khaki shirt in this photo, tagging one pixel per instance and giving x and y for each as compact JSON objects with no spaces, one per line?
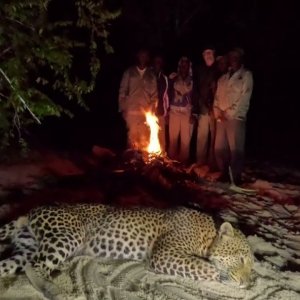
{"x":180,"y":110}
{"x":137,"y":95}
{"x":231,"y":105}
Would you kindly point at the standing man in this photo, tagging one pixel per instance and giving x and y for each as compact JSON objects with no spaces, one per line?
{"x":222,"y":65}
{"x":138,"y":94}
{"x":205,"y":88}
{"x":180,"y":110}
{"x":163,"y":99}
{"x":230,"y":107}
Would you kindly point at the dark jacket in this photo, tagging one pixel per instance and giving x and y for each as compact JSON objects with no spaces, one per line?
{"x":162,"y":94}
{"x":205,"y":85}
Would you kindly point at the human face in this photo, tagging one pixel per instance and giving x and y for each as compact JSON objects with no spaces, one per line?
{"x":208,"y":56}
{"x":142,"y":59}
{"x":234,"y":60}
{"x":184,"y":68}
{"x":223,"y":64}
{"x":158,"y":63}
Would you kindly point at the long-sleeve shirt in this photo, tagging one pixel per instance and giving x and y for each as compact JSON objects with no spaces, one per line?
{"x":204,"y":89}
{"x":163,"y":94}
{"x":138,"y":90}
{"x":181,"y":92}
{"x":233,"y":94}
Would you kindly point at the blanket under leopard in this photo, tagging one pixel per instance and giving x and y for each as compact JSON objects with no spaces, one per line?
{"x":90,"y":278}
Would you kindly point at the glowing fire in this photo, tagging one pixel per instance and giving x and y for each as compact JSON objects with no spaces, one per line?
{"x":154,"y":145}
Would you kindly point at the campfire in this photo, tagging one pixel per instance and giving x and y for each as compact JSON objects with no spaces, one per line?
{"x":149,"y":153}
{"x":149,"y":163}
{"x":153,"y":148}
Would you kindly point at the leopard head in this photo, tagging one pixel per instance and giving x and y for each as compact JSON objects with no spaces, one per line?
{"x":232,"y":255}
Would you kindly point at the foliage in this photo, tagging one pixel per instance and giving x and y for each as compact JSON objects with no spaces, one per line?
{"x":40,"y":48}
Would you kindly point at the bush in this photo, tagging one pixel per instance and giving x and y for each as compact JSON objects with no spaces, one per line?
{"x":39,"y":47}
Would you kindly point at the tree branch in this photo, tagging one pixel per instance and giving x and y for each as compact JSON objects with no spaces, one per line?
{"x":20,"y":23}
{"x":5,"y":51}
{"x":20,"y":97}
{"x":3,"y":96}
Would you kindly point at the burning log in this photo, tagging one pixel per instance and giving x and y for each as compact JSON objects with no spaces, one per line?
{"x":158,"y":169}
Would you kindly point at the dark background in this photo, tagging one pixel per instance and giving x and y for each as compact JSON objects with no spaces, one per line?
{"x":267,"y":30}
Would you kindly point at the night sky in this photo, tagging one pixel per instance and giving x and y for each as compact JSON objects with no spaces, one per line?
{"x":268,"y":32}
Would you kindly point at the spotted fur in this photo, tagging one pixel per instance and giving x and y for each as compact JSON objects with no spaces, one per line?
{"x":179,"y":241}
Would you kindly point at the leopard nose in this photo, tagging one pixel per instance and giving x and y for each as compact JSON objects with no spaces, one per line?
{"x":244,"y":283}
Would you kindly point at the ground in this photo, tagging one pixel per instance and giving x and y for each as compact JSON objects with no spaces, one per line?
{"x":270,"y":219}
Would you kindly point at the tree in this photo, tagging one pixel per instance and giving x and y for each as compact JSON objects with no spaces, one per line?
{"x":39,"y":47}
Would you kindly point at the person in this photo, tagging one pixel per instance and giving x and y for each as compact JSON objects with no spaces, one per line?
{"x":205,"y":88}
{"x":180,"y":110}
{"x":163,"y":99}
{"x":222,"y":65}
{"x":138,"y":94}
{"x":231,"y":105}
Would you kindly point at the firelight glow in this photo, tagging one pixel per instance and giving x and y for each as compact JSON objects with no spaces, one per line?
{"x":154,"y":145}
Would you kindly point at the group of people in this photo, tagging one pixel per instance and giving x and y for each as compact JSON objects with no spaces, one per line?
{"x":215,"y":98}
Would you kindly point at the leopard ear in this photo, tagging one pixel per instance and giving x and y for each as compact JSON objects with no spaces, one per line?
{"x":226,"y":229}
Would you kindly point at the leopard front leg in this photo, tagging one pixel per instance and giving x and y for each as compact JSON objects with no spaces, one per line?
{"x":169,"y":257}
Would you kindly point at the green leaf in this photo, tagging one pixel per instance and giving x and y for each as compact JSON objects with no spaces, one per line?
{"x":42,"y":57}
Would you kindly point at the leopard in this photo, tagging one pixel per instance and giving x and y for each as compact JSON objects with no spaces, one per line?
{"x":176,"y":241}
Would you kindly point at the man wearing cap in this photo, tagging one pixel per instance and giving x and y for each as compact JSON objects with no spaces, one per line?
{"x":204,"y":92}
{"x":231,"y":105}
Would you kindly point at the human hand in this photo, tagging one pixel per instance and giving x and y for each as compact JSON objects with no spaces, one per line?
{"x":152,"y":107}
{"x":223,"y":116}
{"x":193,"y":119}
{"x":167,"y":119}
{"x":123,"y":114}
{"x":217,"y":113}
{"x":173,"y":75}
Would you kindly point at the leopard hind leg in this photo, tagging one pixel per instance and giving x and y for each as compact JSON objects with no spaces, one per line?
{"x":23,"y":253}
{"x":9,"y":230}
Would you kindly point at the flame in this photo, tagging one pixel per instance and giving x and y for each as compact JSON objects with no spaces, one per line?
{"x":154,"y":145}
